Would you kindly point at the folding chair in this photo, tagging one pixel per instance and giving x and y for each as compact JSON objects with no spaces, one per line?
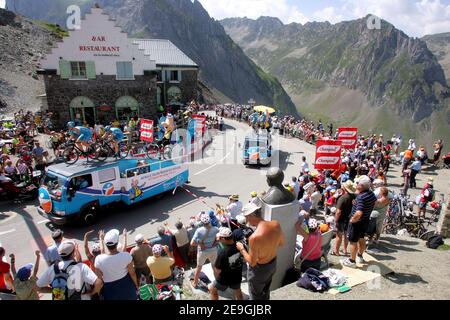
{"x":326,"y":246}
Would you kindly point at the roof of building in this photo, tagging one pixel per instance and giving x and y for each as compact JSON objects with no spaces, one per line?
{"x":164,"y":52}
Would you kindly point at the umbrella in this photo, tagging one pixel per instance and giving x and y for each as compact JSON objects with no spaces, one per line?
{"x":264,"y":109}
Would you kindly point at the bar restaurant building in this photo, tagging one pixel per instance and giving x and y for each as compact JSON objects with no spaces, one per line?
{"x":98,"y":73}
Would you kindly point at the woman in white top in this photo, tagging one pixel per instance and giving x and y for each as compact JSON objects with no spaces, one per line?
{"x":182,"y":239}
{"x":116,"y":269}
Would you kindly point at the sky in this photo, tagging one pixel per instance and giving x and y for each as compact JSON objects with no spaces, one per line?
{"x":415,"y":17}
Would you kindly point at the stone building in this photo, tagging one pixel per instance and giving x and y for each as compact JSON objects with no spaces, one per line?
{"x":97,"y":73}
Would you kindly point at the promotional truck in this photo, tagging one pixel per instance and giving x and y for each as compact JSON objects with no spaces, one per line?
{"x":80,"y":191}
{"x":257,"y":149}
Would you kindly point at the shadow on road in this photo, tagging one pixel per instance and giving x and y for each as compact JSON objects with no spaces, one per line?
{"x":404,"y":278}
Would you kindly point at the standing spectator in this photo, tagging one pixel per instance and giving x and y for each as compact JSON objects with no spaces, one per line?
{"x":254,"y":197}
{"x":312,"y":245}
{"x":381,"y":206}
{"x":160,"y":267}
{"x":228,"y":267}
{"x":96,"y":249}
{"x":406,"y":174}
{"x":343,"y":211}
{"x":303,"y":166}
{"x":76,"y":274}
{"x":51,"y":254}
{"x":426,"y":196}
{"x":261,"y":253}
{"x":140,"y":254}
{"x":162,"y":239}
{"x":24,"y":281}
{"x":359,"y":222}
{"x":438,"y":146}
{"x":205,"y":241}
{"x":117,"y":271}
{"x":38,"y":155}
{"x":416,"y":166}
{"x":6,"y":280}
{"x":181,"y":237}
{"x":234,"y":207}
{"x":295,"y":186}
{"x":407,"y":157}
{"x":315,"y":200}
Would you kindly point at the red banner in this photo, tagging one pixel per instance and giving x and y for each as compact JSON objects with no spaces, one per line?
{"x":328,"y":154}
{"x":147,"y":130}
{"x":348,"y":136}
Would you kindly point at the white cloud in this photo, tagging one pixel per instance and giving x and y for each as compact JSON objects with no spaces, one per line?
{"x":253,"y":9}
{"x":328,"y":14}
{"x":416,"y":18}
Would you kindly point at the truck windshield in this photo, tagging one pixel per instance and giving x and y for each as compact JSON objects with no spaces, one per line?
{"x":53,"y":182}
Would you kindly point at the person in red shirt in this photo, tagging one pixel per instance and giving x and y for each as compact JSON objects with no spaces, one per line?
{"x":6,"y":281}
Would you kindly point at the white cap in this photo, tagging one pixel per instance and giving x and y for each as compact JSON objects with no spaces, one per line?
{"x":225,"y":232}
{"x":241,"y":219}
{"x":112,"y":237}
{"x":66,"y":248}
{"x":139,"y":238}
{"x":250,"y":208}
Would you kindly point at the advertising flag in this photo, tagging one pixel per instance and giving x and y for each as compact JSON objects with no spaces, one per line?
{"x":328,"y":154}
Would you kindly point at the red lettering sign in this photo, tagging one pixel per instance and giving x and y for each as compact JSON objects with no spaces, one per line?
{"x":147,"y":130}
{"x":328,"y":154}
{"x":200,"y":123}
{"x":348,"y":136}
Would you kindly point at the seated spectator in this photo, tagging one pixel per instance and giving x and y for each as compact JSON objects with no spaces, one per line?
{"x":162,"y":239}
{"x":312,"y":245}
{"x":140,"y":254}
{"x":24,"y":281}
{"x":160,"y":267}
{"x":117,"y":270}
{"x":182,"y":240}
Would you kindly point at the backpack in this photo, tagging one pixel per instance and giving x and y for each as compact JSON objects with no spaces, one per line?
{"x":314,"y":280}
{"x":434,"y":241}
{"x":60,"y":289}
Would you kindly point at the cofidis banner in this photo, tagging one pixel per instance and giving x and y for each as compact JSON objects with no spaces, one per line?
{"x":328,"y":154}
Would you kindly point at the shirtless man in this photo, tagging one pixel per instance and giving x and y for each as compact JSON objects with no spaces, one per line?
{"x":262,"y":253}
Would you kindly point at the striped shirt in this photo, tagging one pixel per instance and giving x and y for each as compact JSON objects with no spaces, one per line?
{"x":364,"y":202}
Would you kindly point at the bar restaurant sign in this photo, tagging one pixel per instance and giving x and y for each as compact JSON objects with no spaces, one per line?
{"x":99,"y":46}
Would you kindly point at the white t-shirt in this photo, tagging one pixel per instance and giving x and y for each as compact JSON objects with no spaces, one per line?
{"x":234,"y":209}
{"x":113,"y":267}
{"x":296,"y":187}
{"x":181,"y":236}
{"x":303,"y":167}
{"x":78,"y":275}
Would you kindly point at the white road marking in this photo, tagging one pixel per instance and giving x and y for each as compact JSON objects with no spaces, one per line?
{"x":6,"y":232}
{"x":215,"y":164}
{"x":43,"y":221}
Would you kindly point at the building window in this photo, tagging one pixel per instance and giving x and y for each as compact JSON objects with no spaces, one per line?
{"x":159,"y":76}
{"x":174,"y":95}
{"x":174,"y":76}
{"x":78,"y":70}
{"x":125,"y":70}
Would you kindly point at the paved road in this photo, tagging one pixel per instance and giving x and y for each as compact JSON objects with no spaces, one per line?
{"x":214,"y":178}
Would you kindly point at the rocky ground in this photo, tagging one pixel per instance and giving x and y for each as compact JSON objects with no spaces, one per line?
{"x":22,"y":45}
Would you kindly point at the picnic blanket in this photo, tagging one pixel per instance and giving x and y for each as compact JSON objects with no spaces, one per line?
{"x":364,"y":273}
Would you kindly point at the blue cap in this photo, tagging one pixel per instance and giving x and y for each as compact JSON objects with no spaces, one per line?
{"x":24,"y":273}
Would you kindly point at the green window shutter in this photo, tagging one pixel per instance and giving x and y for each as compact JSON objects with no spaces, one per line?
{"x":179,"y":75}
{"x":64,"y":69}
{"x":90,"y":69}
{"x":163,"y":75}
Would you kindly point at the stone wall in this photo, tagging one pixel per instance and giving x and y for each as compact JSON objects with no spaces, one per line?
{"x":104,"y":90}
{"x":189,"y":85}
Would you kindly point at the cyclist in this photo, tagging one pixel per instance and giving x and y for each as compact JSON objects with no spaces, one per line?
{"x":115,"y":135}
{"x":169,"y":127}
{"x":80,"y":134}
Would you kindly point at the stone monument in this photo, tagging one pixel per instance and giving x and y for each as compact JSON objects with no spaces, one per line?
{"x":279,"y":204}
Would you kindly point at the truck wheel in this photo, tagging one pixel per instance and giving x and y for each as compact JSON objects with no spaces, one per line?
{"x":88,"y":216}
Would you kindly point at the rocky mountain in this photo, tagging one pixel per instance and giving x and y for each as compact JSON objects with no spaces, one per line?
{"x":22,"y":45}
{"x":439,"y":44}
{"x":350,"y":74}
{"x":225,"y":68}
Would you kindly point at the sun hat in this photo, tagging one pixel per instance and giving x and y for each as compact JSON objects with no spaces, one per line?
{"x":157,"y":249}
{"x":225,"y":232}
{"x":250,"y":208}
{"x":234,"y":197}
{"x":139,"y":238}
{"x":66,"y":248}
{"x":254,"y":194}
{"x":349,"y":186}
